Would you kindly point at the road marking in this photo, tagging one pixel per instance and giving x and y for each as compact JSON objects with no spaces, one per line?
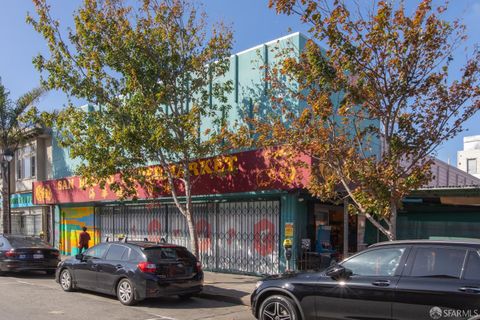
{"x":159,"y":317}
{"x":56,"y":312}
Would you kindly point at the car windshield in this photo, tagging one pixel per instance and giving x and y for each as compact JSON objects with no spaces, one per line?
{"x":159,"y":254}
{"x":27,"y":242}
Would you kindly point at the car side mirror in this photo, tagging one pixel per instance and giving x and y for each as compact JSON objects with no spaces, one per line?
{"x":338,"y":272}
{"x":79,"y":257}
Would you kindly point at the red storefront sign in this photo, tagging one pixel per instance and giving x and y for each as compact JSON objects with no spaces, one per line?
{"x":241,"y":172}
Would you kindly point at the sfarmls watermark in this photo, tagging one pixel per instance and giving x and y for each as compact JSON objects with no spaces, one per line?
{"x":445,"y":313}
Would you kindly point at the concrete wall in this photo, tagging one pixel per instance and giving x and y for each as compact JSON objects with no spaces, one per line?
{"x":471,"y":150}
{"x":43,"y":164}
{"x":463,"y":156}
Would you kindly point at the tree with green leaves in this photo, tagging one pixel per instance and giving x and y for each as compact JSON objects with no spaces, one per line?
{"x":154,"y":72}
{"x":18,"y":122}
{"x":376,"y":103}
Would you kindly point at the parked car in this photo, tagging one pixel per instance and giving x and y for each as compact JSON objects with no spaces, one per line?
{"x":22,"y":253}
{"x":417,"y":279}
{"x":133,"y":271}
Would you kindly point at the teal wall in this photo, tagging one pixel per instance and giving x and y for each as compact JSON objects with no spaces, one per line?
{"x":292,"y":211}
{"x":423,"y":221}
{"x":247,"y":75}
{"x":249,"y":90}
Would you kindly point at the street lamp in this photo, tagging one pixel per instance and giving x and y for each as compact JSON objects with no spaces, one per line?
{"x":7,"y":157}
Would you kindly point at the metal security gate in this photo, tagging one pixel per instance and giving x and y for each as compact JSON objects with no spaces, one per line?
{"x":138,"y":222}
{"x":248,"y":236}
{"x":236,"y":237}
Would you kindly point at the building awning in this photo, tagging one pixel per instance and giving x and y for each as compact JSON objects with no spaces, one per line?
{"x":256,"y":170}
{"x":456,"y":195}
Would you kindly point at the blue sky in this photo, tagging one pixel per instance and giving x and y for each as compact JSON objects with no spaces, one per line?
{"x":253,"y":23}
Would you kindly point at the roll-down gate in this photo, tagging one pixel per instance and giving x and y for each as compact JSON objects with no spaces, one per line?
{"x":237,"y":237}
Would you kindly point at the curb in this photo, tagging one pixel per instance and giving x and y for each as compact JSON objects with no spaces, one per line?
{"x":229,"y":299}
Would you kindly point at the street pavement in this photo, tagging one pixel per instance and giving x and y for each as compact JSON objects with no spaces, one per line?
{"x":35,"y":296}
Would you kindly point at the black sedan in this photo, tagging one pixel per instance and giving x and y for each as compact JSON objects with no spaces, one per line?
{"x":133,"y":271}
{"x":419,"y":279}
{"x":24,"y":253}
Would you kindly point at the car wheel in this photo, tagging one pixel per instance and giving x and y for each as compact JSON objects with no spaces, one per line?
{"x":278,"y":307}
{"x":66,"y":281}
{"x":125,"y":292}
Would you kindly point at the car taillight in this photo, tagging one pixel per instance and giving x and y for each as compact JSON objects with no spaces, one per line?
{"x":10,"y":254}
{"x":55,"y":253}
{"x":199,"y":266}
{"x":147,"y":267}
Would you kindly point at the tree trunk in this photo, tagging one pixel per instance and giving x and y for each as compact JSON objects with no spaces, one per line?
{"x":5,"y":211}
{"x":393,"y":221}
{"x":193,"y":233}
{"x":189,"y":214}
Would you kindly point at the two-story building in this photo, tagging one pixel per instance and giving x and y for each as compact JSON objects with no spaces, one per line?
{"x":241,"y":215}
{"x":32,"y":161}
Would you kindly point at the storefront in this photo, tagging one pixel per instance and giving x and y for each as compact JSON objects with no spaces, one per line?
{"x":240,"y":212}
{"x":234,"y":235}
{"x":27,"y":218}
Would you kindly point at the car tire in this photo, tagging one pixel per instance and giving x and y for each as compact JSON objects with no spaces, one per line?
{"x":66,"y":280}
{"x":278,"y":307}
{"x":126,"y":292}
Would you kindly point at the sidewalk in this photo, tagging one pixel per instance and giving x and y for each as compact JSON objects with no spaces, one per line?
{"x":226,"y":287}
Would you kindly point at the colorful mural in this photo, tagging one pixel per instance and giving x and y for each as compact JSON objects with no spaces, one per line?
{"x":73,"y":219}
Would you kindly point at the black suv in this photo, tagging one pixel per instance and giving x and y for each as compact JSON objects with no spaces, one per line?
{"x":417,"y":279}
{"x":133,"y":271}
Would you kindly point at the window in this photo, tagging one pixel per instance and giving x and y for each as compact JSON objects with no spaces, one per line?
{"x":472,"y":166}
{"x":472,"y":270}
{"x":379,"y":262}
{"x":135,"y":256}
{"x":32,"y":166}
{"x":115,"y":252}
{"x":156,"y":255}
{"x":19,"y":169}
{"x":96,"y":252}
{"x":26,"y":163}
{"x":27,"y":242}
{"x":438,"y":262}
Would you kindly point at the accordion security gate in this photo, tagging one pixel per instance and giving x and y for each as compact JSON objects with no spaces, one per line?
{"x":237,"y":237}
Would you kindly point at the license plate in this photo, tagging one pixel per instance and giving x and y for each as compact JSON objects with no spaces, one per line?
{"x":22,"y":256}
{"x":38,"y":256}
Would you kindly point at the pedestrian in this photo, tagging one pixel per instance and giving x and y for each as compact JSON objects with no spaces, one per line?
{"x":84,"y":239}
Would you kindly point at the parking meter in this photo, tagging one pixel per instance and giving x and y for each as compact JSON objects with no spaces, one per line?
{"x":287,"y":246}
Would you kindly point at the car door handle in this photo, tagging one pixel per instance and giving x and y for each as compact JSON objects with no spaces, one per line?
{"x":119,"y":266}
{"x":470,"y":289}
{"x":381,"y":283}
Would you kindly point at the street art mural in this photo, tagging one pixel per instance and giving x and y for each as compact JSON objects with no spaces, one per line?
{"x":73,"y":219}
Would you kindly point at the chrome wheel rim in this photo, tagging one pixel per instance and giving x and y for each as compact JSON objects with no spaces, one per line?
{"x":65,"y":280}
{"x":125,"y":291}
{"x":276,"y":311}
